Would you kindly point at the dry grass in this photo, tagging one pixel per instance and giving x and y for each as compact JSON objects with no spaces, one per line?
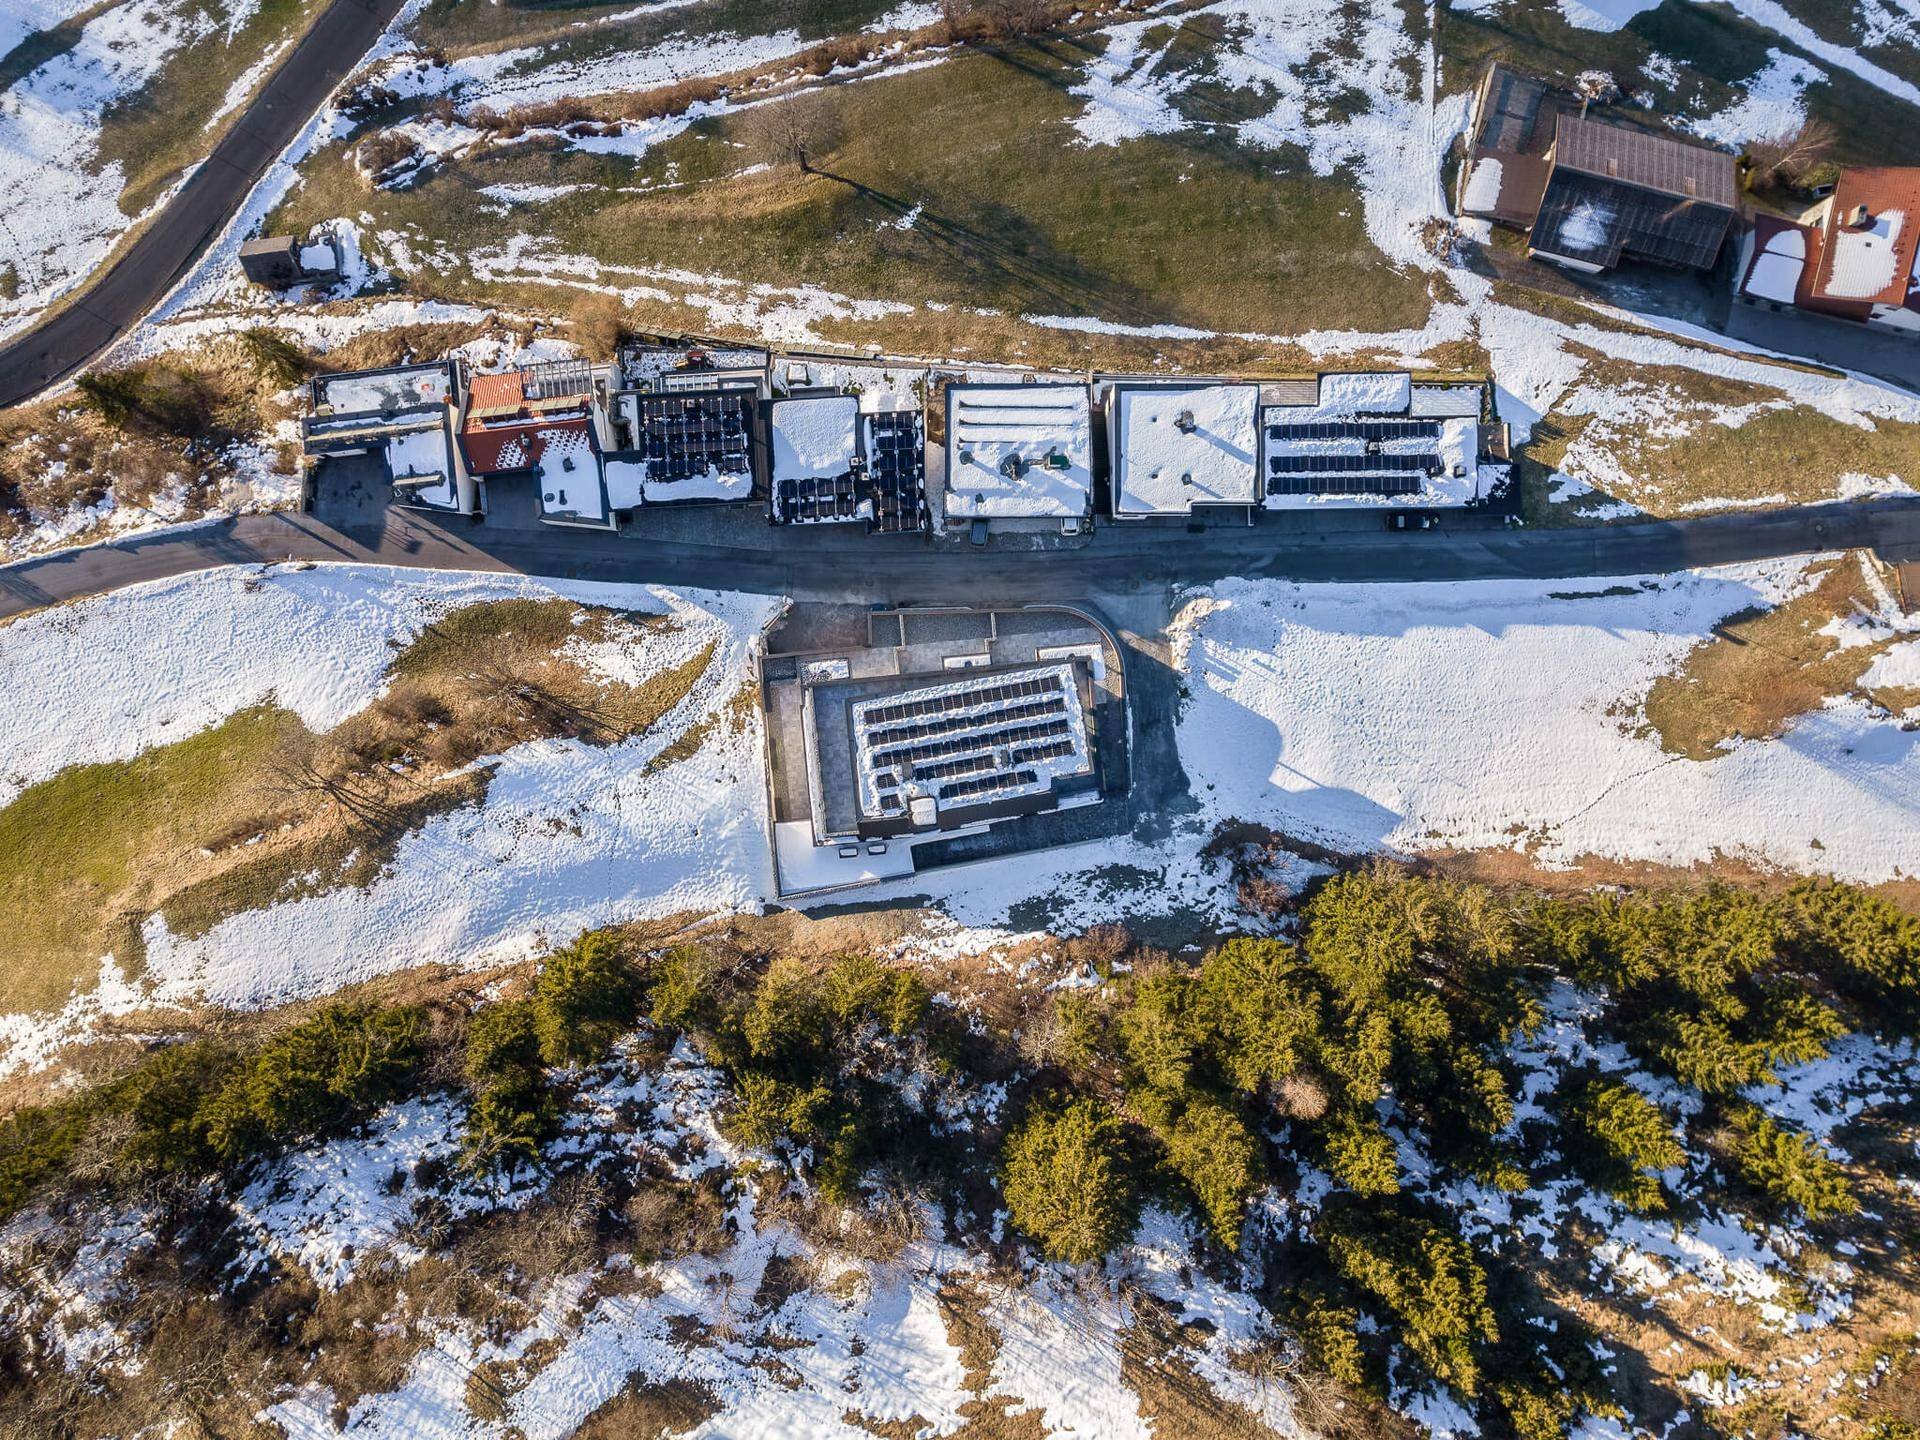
{"x":646,"y":1410}
{"x":1002,"y":225}
{"x":56,"y":455}
{"x":1688,"y":440}
{"x":258,"y":810}
{"x":1764,"y":668}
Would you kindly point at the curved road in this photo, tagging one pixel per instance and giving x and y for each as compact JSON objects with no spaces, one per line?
{"x":113,"y":301}
{"x":810,"y":564}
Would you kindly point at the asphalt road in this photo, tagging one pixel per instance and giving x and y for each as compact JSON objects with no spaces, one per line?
{"x":823,"y":564}
{"x":113,"y":301}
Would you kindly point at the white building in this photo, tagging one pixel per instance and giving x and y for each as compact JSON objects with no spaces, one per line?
{"x":1380,"y":438}
{"x":1178,"y":445}
{"x":1019,"y":452}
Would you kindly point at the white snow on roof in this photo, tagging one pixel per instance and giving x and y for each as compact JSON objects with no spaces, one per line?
{"x":1438,"y":401}
{"x":1019,"y":450}
{"x":1790,"y":242}
{"x":1587,"y":226}
{"x":1864,"y":260}
{"x":629,"y":485}
{"x":569,"y":478}
{"x":626,"y":483}
{"x":1179,"y":446}
{"x":1774,"y":277}
{"x":813,"y":437}
{"x":352,"y":394}
{"x":1364,"y":392}
{"x":423,"y":455}
{"x":1483,"y":187}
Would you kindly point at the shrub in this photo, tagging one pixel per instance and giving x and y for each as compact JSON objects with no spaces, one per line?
{"x":682,"y":990}
{"x":1789,"y":1167}
{"x":1067,"y":1181}
{"x":585,"y":996}
{"x":114,"y":395}
{"x":1428,"y":1278}
{"x":277,"y":358}
{"x":1329,"y":1333}
{"x":1262,"y":1009}
{"x":315,"y":1078}
{"x":1864,"y":946}
{"x":787,"y":1024}
{"x":35,"y":1144}
{"x":1618,"y":1137}
{"x":1210,"y":1150}
{"x":166,"y":1098}
{"x":1360,"y":1155}
{"x":1161,"y":1029}
{"x":860,"y":988}
{"x":511,"y":1111}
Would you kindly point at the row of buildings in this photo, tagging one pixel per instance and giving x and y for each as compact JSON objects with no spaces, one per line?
{"x":667,"y":425}
{"x":1591,"y":194}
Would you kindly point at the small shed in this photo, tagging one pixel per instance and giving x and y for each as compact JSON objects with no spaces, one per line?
{"x":272,"y":260}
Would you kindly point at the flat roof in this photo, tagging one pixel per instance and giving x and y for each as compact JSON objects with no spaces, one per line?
{"x":391,"y":388}
{"x":1177,"y":446}
{"x":1000,"y":735}
{"x":1016,"y":451}
{"x":815,"y":437}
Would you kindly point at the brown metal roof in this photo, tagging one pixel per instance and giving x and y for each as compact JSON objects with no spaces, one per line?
{"x":1640,"y":157}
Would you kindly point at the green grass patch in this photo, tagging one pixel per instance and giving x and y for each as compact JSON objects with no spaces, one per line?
{"x":1013,"y":217}
{"x":79,"y":852}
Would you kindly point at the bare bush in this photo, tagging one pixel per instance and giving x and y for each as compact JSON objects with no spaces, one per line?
{"x":795,"y":131}
{"x":1791,"y":156}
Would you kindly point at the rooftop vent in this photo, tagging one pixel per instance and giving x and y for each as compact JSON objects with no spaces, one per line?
{"x":1185,"y":423}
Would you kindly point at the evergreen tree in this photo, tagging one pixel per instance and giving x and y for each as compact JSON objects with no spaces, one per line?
{"x":1428,"y":1278}
{"x":1067,"y":1181}
{"x":585,"y":995}
{"x":1789,"y":1167}
{"x":1619,"y":1138}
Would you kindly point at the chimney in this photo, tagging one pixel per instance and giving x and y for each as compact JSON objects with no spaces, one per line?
{"x":1859,"y":218}
{"x":1185,"y":423}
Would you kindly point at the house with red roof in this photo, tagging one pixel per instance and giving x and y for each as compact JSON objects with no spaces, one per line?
{"x":1855,"y":255}
{"x":544,"y":422}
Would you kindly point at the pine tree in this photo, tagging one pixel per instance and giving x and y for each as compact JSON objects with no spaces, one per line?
{"x":1789,"y":1167}
{"x":1067,"y":1181}
{"x":1619,"y":1138}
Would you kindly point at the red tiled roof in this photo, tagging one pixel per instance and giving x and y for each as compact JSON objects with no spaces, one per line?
{"x":517,"y":445}
{"x":488,"y":391}
{"x":1883,"y":190}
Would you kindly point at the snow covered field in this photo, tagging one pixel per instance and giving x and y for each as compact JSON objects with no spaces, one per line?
{"x":1399,"y":717}
{"x":1470,"y":715}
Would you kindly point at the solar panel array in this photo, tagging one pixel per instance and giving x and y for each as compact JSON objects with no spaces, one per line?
{"x":969,"y":741}
{"x":1371,"y":470}
{"x":797,"y":502}
{"x":893,"y":482}
{"x":681,"y":436}
{"x":897,"y":470}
